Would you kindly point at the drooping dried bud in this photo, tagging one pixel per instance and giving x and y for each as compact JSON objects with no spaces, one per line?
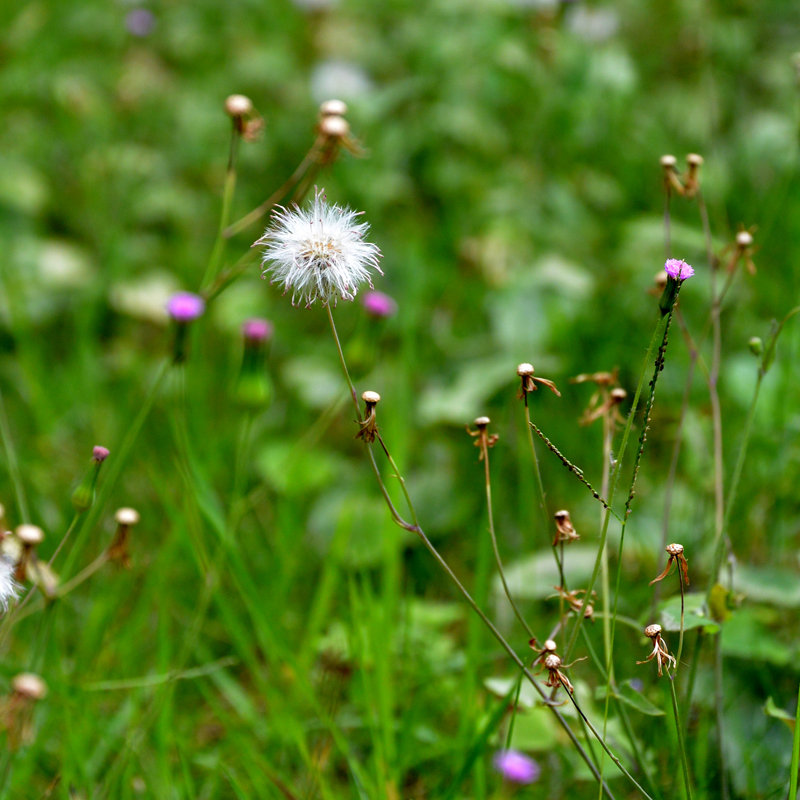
{"x":565,"y":532}
{"x":332,"y":108}
{"x":30,"y":686}
{"x":238,"y":105}
{"x":16,"y":711}
{"x":118,"y":551}
{"x":368,"y":427}
{"x":334,"y":127}
{"x":744,"y":239}
{"x":692,"y":180}
{"x":651,"y":631}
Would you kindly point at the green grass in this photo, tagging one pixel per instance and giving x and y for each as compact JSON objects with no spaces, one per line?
{"x":277,"y":635}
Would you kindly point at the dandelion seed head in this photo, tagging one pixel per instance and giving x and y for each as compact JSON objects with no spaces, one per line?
{"x":318,"y":252}
{"x":9,"y":589}
{"x":678,"y":269}
{"x":517,"y":767}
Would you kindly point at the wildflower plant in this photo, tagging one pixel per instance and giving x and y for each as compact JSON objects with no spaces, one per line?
{"x":319,"y":252}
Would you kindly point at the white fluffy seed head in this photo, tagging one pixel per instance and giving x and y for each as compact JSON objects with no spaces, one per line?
{"x":318,"y":252}
{"x":9,"y":589}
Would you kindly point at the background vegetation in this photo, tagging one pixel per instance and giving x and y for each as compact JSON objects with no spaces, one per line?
{"x":276,"y":635}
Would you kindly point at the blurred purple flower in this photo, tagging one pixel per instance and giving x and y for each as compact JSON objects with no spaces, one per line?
{"x":100,"y":453}
{"x":378,"y":304}
{"x":257,"y":329}
{"x":185,"y":306}
{"x":678,"y":269}
{"x":140,"y":21}
{"x":517,"y":767}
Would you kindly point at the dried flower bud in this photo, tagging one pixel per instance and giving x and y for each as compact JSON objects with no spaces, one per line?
{"x":30,"y":686}
{"x":694,"y":160}
{"x":16,"y":711}
{"x":334,"y":127}
{"x":118,"y":551}
{"x":565,"y":532}
{"x":238,"y":105}
{"x":668,"y":161}
{"x":333,"y":108}
{"x":525,"y":370}
{"x":552,"y":661}
{"x":482,"y":422}
{"x":744,"y":239}
{"x":29,"y":535}
{"x":368,"y":427}
{"x":618,"y":395}
{"x":651,"y":631}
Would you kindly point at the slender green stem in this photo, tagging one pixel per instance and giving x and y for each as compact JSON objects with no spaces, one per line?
{"x":680,"y":638}
{"x":227,"y":200}
{"x":64,"y":538}
{"x":415,"y":528}
{"x":681,"y":743}
{"x":657,"y":335}
{"x":795,"y":752}
{"x":718,"y":708}
{"x":13,"y":465}
{"x":116,"y":463}
{"x":493,"y":535}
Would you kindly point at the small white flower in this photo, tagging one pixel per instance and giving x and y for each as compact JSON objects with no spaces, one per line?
{"x":318,"y":252}
{"x":9,"y":589}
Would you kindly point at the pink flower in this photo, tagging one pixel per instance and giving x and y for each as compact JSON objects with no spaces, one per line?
{"x":100,"y":453}
{"x":257,"y":330}
{"x":378,"y":304}
{"x":517,"y":767}
{"x":678,"y":269}
{"x":185,"y":306}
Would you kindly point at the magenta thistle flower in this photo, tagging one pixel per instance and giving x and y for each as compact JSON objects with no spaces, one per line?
{"x":100,"y":453}
{"x":257,"y":330}
{"x":517,"y":767}
{"x":379,"y":305}
{"x":184,"y":306}
{"x":677,"y":269}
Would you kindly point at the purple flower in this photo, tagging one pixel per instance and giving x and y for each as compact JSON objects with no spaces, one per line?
{"x":257,"y":330}
{"x":678,"y":269}
{"x":100,"y":453}
{"x":517,"y":767}
{"x":140,"y":21}
{"x":378,"y":304}
{"x":185,"y":306}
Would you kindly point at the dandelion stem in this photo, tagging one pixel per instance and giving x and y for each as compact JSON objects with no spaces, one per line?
{"x":680,"y":638}
{"x":681,"y":743}
{"x":417,"y":529}
{"x":493,"y":535}
{"x":227,"y":199}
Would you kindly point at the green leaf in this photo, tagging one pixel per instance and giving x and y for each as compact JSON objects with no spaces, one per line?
{"x":633,"y":698}
{"x":693,"y":616}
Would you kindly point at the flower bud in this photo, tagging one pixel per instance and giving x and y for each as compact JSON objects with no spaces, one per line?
{"x":183,"y":307}
{"x":253,"y":386}
{"x":83,"y":496}
{"x":756,"y":345}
